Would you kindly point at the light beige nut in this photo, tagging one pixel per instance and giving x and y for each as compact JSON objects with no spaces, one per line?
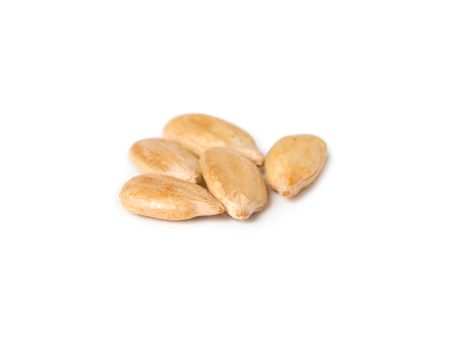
{"x":294,"y":162}
{"x":164,"y":197}
{"x":165,"y":157}
{"x":235,"y":181}
{"x":200,"y":132}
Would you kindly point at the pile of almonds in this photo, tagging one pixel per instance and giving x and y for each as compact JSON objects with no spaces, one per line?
{"x":199,"y":147}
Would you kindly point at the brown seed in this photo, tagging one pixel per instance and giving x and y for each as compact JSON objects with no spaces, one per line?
{"x":200,"y":132}
{"x":165,"y":157}
{"x":235,"y":181}
{"x":164,"y":197}
{"x":294,"y":162}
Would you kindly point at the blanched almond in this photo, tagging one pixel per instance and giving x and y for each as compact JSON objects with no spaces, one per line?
{"x":164,"y":197}
{"x":165,"y":157}
{"x":294,"y":162}
{"x":200,"y":132}
{"x":235,"y":181}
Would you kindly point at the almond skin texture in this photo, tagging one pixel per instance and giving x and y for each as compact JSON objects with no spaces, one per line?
{"x":200,"y":132}
{"x":165,"y":157}
{"x":294,"y":162}
{"x":166,"y":198}
{"x":235,"y":181}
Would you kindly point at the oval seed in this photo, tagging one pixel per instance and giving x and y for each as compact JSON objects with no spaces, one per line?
{"x":200,"y":132}
{"x":165,"y":157}
{"x":235,"y":181}
{"x":164,"y":197}
{"x":294,"y":162}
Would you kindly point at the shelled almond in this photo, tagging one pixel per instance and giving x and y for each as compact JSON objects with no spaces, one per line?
{"x":168,"y":198}
{"x":200,"y":132}
{"x":164,"y":157}
{"x":294,"y":162}
{"x":234,"y":180}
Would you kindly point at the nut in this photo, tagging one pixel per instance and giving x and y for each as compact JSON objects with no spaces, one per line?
{"x":235,"y":181}
{"x":165,"y":157}
{"x":200,"y":132}
{"x":294,"y":162}
{"x":164,"y":197}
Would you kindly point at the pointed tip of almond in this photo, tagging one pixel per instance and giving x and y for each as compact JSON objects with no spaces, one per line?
{"x":287,"y":194}
{"x":220,"y":209}
{"x":257,"y":158}
{"x":241,"y":215}
{"x":259,"y":161}
{"x":255,"y":155}
{"x":195,"y":179}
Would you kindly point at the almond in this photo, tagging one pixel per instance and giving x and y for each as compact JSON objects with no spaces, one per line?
{"x":165,"y":157}
{"x":294,"y":162}
{"x":164,"y":197}
{"x":200,"y":132}
{"x":234,"y":180}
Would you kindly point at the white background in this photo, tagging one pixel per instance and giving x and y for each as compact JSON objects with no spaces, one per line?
{"x":364,"y":259}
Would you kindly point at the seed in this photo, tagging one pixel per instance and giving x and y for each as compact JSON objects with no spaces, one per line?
{"x":164,"y":197}
{"x":294,"y":162}
{"x":200,"y":132}
{"x":165,"y":157}
{"x":235,"y":181}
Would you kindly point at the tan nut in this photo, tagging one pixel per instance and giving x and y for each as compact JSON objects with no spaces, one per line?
{"x":200,"y":132}
{"x":235,"y":181}
{"x":294,"y":162}
{"x":164,"y":197}
{"x":165,"y":157}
